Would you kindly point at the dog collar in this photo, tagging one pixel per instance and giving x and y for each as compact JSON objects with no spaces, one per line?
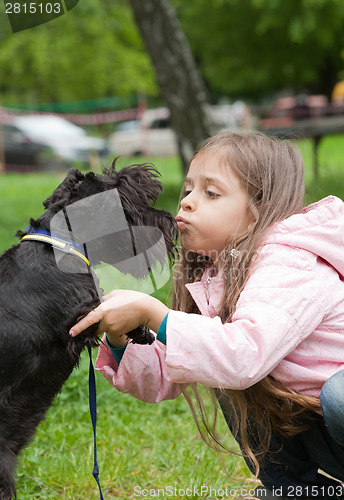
{"x":64,"y":245}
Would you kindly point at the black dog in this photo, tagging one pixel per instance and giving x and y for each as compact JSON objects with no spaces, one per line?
{"x":44,"y":291}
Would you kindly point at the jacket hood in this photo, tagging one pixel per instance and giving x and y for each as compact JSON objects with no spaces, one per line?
{"x":318,"y":228}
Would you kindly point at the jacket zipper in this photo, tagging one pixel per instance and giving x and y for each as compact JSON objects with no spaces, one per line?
{"x":207,"y":283}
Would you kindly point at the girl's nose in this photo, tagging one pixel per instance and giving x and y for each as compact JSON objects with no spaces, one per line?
{"x":188,"y":203}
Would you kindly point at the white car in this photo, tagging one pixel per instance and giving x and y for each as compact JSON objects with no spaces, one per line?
{"x":65,"y":142}
{"x":152,"y":135}
{"x":149,"y":136}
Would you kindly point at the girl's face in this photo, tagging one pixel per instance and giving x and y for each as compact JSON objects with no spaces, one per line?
{"x":214,"y":209}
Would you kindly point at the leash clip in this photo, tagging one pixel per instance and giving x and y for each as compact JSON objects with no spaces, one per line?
{"x":68,"y":247}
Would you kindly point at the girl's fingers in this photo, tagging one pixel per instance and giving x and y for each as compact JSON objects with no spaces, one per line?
{"x":112,"y":294}
{"x":91,"y":318}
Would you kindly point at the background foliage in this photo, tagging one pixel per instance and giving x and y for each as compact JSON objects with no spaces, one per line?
{"x":244,"y":48}
{"x":249,"y":48}
{"x":93,"y":51}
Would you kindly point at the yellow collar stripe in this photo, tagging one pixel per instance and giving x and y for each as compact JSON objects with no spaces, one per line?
{"x":58,"y":244}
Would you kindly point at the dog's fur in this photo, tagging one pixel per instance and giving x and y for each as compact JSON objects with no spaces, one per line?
{"x":40,"y":302}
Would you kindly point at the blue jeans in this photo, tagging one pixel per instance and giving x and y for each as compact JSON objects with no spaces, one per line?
{"x":290,"y":467}
{"x":332,"y":403}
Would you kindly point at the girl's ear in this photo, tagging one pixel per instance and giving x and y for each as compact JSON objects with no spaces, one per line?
{"x":63,"y":192}
{"x":253,"y":216}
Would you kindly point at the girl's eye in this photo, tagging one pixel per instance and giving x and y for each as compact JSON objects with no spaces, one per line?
{"x":213,"y":195}
{"x":186,"y":192}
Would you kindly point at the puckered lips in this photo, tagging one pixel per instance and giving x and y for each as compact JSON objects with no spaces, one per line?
{"x":181,"y":222}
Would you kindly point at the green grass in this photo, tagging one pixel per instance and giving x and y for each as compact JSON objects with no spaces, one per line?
{"x":331,"y":168}
{"x":139,"y":445}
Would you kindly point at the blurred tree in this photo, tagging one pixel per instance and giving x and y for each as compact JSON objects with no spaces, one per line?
{"x":248,"y":48}
{"x":180,"y":82}
{"x":93,"y":51}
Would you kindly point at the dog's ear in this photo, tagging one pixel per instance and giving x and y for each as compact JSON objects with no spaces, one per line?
{"x":92,"y":184}
{"x":63,"y":193}
{"x":141,"y":181}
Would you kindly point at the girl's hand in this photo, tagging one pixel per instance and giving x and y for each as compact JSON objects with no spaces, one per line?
{"x":121,"y":312}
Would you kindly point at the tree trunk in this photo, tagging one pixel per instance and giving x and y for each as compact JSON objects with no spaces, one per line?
{"x":180,"y":82}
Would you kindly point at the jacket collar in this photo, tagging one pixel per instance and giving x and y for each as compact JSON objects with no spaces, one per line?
{"x":207,"y":293}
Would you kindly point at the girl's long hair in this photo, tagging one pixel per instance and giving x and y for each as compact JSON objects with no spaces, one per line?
{"x":272,"y":173}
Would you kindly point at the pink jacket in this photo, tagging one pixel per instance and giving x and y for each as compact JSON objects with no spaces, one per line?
{"x":289,"y":320}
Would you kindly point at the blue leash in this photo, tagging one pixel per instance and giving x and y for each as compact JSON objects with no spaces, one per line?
{"x":93,"y":412}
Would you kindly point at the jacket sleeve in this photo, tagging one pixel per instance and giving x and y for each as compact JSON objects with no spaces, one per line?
{"x":141,"y":372}
{"x":283,"y":301}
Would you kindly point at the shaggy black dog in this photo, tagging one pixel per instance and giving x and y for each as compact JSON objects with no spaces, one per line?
{"x":44,"y":291}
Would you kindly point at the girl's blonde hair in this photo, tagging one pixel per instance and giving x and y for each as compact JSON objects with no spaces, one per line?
{"x":272,"y":173}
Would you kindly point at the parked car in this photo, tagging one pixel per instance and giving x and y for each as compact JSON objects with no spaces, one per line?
{"x":20,"y":152}
{"x":49,"y":141}
{"x":151,"y":135}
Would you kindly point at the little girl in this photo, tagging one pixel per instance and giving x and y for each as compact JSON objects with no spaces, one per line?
{"x":257,"y":315}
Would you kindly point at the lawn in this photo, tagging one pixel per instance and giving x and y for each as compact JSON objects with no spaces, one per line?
{"x":140,"y":446}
